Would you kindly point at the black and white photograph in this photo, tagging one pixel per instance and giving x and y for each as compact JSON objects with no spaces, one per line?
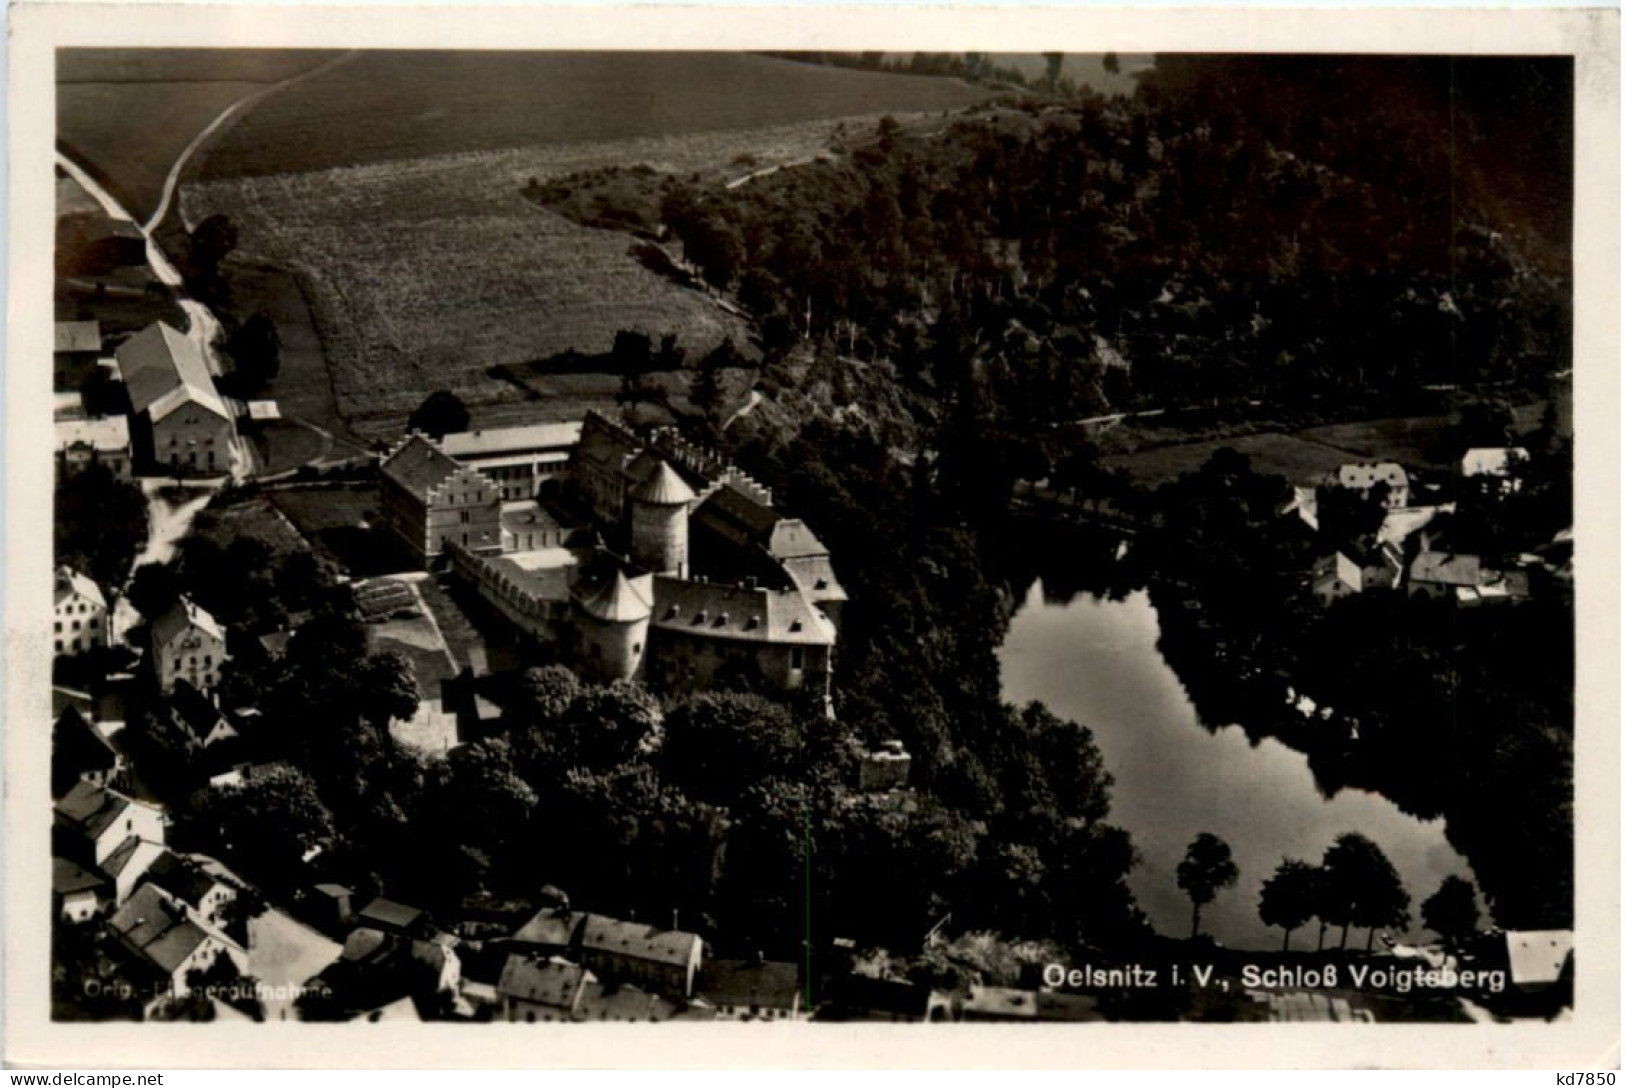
{"x":555,"y":537}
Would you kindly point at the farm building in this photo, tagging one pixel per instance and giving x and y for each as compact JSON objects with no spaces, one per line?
{"x":186,"y":643}
{"x":188,"y":425}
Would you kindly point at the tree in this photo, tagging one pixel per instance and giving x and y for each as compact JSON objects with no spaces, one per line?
{"x":1206,"y":870}
{"x":255,"y":348}
{"x":386,"y":689}
{"x":719,"y":743}
{"x":1452,"y":911}
{"x":154,"y":589}
{"x":213,"y":239}
{"x":1290,"y":897}
{"x":100,"y":524}
{"x":1362,"y":887}
{"x":269,"y":824}
{"x":1111,"y":63}
{"x":440,"y":414}
{"x":1052,"y":69}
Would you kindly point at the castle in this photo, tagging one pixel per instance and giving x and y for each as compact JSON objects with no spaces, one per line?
{"x":676,"y":571}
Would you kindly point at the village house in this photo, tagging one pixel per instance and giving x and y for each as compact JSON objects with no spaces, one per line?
{"x":753,"y":989}
{"x":128,"y":866}
{"x":77,"y":344}
{"x":388,"y":916}
{"x":164,"y":939}
{"x":1334,"y":577}
{"x":92,"y":822}
{"x":82,"y":442}
{"x":662,"y":960}
{"x":430,"y":502}
{"x":198,"y":715}
{"x":533,"y":991}
{"x":1366,"y":476}
{"x":79,"y":616}
{"x":883,"y":768}
{"x":81,"y":753}
{"x":186,"y":643}
{"x":204,"y":893}
{"x":77,"y":894}
{"x":190,"y":428}
{"x":517,"y":459}
{"x":380,"y":970}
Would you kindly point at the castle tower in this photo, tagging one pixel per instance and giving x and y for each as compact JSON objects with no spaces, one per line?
{"x":612,"y":626}
{"x":660,"y":522}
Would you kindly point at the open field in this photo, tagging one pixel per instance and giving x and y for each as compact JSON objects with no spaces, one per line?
{"x":388,"y":105}
{"x":126,"y":115}
{"x":335,"y":521}
{"x":254,"y":517}
{"x":1412,"y":440}
{"x":1302,"y":462}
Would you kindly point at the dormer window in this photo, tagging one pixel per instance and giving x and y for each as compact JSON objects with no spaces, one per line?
{"x":821,"y":584}
{"x":795,"y":625}
{"x":753,"y":623}
{"x":699,"y":617}
{"x":722,"y":619}
{"x":671,"y":613}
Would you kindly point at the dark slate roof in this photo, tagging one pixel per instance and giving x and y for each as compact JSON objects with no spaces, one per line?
{"x":92,"y":809}
{"x":157,"y":927}
{"x":390,"y":914}
{"x":638,"y":941}
{"x":193,"y":710}
{"x":605,"y":442}
{"x":616,"y":598}
{"x":182,"y":615}
{"x":67,"y":878}
{"x":624,"y":1004}
{"x":550,"y":982}
{"x":731,"y":507}
{"x":417,"y":466}
{"x":76,"y":336}
{"x":80,"y":745}
{"x":550,"y":927}
{"x":180,"y":878}
{"x":743,"y":983}
{"x":713,"y":610}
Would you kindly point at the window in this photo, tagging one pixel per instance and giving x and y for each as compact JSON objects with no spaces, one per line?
{"x":462,"y":516}
{"x":58,"y":643}
{"x":208,"y":660}
{"x":797,"y":657}
{"x":76,"y":625}
{"x":57,"y":627}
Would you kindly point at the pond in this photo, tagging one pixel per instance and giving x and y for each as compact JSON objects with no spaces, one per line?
{"x":1095,"y":661}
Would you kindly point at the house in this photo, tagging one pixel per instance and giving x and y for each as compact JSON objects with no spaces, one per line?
{"x":1382,"y":567}
{"x":79,"y":619}
{"x":1367,"y":477}
{"x":518,"y":459}
{"x":662,"y":960}
{"x":186,"y":643}
{"x":80,"y":753}
{"x":699,"y":631}
{"x":332,"y":904}
{"x":129,"y":865}
{"x":1334,"y":577}
{"x":388,"y":916}
{"x":77,"y":894}
{"x":94,"y":821}
{"x":81,"y":442}
{"x":190,"y":427}
{"x":530,"y":991}
{"x":78,"y":341}
{"x":753,"y":989}
{"x":429,"y":501}
{"x":202,"y":892}
{"x":377,"y":970}
{"x":161,"y":936}
{"x":198,"y":715}
{"x":856,"y":997}
{"x":1494,"y":464}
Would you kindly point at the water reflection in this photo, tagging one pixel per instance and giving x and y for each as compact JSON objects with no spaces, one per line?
{"x":1094,"y":659}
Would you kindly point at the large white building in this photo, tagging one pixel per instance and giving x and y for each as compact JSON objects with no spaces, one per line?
{"x":79,"y":618}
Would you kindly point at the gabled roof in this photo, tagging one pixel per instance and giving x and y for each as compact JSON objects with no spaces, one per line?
{"x":92,"y":809}
{"x":70,"y":583}
{"x":1337,"y":567}
{"x":133,"y":851}
{"x":183,"y":614}
{"x":194,"y":712}
{"x":550,"y":927}
{"x":418,"y":466}
{"x":163,"y":370}
{"x":181,"y":878}
{"x":617,"y":599}
{"x":157,"y":928}
{"x":663,"y":487}
{"x":638,"y":941}
{"x":67,"y":878}
{"x":605,"y":442}
{"x":1446,"y":569}
{"x":551,"y":982}
{"x":716,"y":610}
{"x":816,"y":577}
{"x":110,"y":435}
{"x":743,"y":983}
{"x":78,"y":336}
{"x":792,"y":539}
{"x":730,"y":506}
{"x":77,"y":743}
{"x":390,"y":914}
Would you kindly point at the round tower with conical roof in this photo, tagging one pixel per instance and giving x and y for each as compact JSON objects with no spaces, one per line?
{"x":612,"y":626}
{"x":660,"y":521}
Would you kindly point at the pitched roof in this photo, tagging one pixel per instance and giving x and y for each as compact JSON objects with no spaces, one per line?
{"x":638,"y":941}
{"x":77,"y":336}
{"x":182,"y":615}
{"x":417,"y":465}
{"x":77,"y":743}
{"x":716,"y":610}
{"x":157,"y":928}
{"x":766,"y":983}
{"x":133,"y":851}
{"x":195,"y":712}
{"x":815,"y":574}
{"x":1337,"y":567}
{"x":1446,"y":569}
{"x":110,"y":435}
{"x":553,"y":982}
{"x":92,"y":809}
{"x":605,"y":442}
{"x":793,"y":540}
{"x":623,"y":1003}
{"x":163,"y":369}
{"x":497,"y":441}
{"x":390,"y":914}
{"x":616,"y":598}
{"x":181,"y":878}
{"x":67,"y":878}
{"x":663,"y":487}
{"x":550,"y":927}
{"x":70,"y":582}
{"x":732,"y":507}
